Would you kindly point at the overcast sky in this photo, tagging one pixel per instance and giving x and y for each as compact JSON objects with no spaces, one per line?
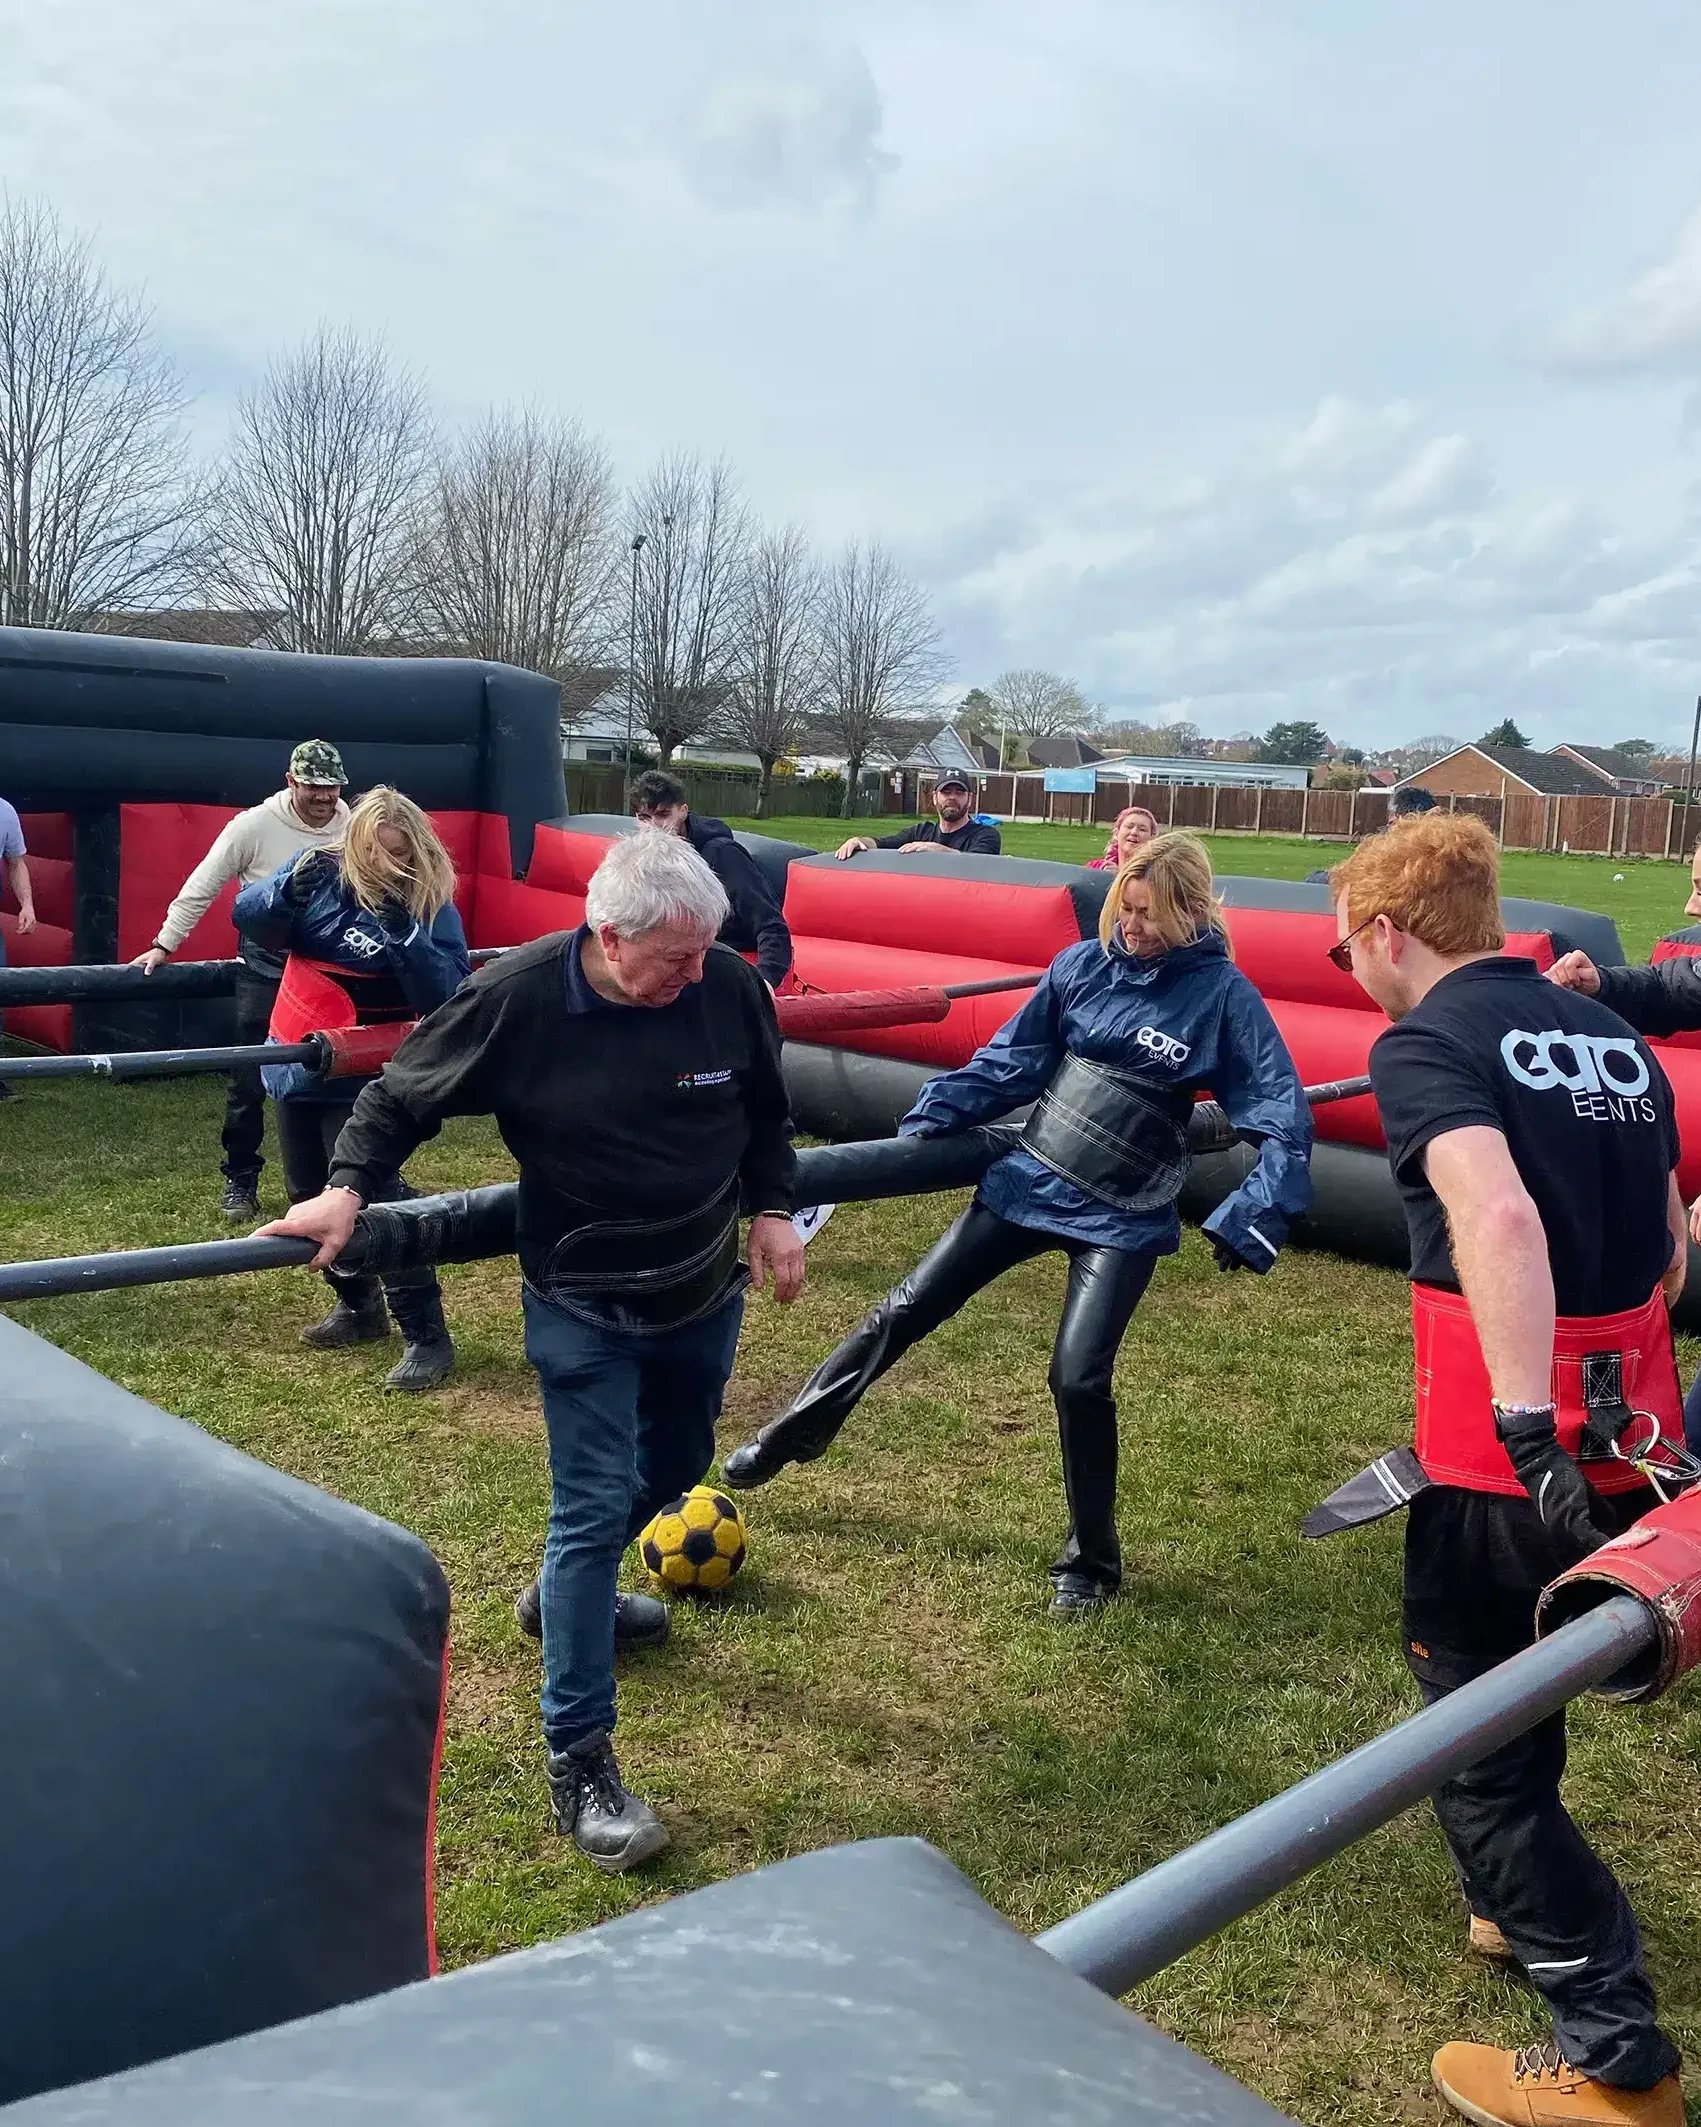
{"x":1241,"y":358}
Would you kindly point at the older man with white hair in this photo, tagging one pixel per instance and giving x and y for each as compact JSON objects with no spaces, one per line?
{"x":633,"y":1068}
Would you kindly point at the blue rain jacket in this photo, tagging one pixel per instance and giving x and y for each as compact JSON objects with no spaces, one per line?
{"x":1096,"y":1002}
{"x":313,"y":913}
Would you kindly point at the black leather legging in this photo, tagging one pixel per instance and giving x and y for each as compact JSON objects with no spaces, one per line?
{"x":1105,"y":1287}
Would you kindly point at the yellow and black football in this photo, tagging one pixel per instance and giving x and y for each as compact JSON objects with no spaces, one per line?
{"x":695,"y":1545}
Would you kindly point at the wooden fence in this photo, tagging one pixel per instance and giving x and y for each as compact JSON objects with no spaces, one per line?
{"x":1603,"y":826}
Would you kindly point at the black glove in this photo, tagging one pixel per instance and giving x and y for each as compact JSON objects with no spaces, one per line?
{"x":310,"y":873}
{"x":1554,"y":1482}
{"x":1228,"y":1258}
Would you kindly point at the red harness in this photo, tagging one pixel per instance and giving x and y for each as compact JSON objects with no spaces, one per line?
{"x":317,"y":997}
{"x":1455,"y":1439}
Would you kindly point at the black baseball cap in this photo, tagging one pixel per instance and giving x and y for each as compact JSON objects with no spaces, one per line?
{"x":952,"y":779}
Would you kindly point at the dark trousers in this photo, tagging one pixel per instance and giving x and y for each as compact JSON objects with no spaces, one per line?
{"x":631,"y":1422}
{"x":1105,"y":1287}
{"x":307,"y":1134}
{"x":1475,"y":1563}
{"x":1692,"y":1417}
{"x":245,"y":1097}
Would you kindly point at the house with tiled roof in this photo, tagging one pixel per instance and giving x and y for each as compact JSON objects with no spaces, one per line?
{"x":1502,"y":771}
{"x":1628,"y":776}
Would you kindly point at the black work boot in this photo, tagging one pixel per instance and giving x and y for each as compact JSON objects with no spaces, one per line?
{"x":785,"y":1439}
{"x":241,"y":1198}
{"x":1077,"y":1594}
{"x":428,"y":1357}
{"x":592,"y":1807}
{"x":639,"y":1620}
{"x":359,"y":1317}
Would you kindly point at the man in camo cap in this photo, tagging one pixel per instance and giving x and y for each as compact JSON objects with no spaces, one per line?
{"x":308,"y":813}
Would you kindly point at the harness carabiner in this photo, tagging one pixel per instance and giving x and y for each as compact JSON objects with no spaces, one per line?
{"x":1677,"y":1465}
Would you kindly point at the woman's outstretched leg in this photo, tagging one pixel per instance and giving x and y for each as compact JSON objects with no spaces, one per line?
{"x":979,"y":1247}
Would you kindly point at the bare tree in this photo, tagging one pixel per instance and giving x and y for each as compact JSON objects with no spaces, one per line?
{"x":694,"y":530}
{"x":317,"y":511}
{"x":776,"y":654}
{"x":880,"y":653}
{"x":518,"y":560}
{"x":1039,"y":705}
{"x":95,"y":508}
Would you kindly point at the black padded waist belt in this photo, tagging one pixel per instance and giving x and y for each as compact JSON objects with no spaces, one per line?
{"x":1120,"y":1139}
{"x":643,"y":1276}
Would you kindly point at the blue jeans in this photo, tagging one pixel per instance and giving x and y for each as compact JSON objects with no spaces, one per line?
{"x":631,"y":1424}
{"x":1692,"y":1416}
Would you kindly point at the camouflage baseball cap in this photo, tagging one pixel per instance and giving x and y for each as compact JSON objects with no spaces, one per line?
{"x":317,"y":761}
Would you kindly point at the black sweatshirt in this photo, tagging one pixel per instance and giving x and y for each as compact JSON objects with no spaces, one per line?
{"x":620,"y":1113}
{"x":1665,"y":999}
{"x":757,"y":923}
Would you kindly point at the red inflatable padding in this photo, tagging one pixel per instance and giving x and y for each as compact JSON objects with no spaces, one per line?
{"x":48,"y":945}
{"x":459,"y":834}
{"x":563,"y":860}
{"x":50,"y":834}
{"x":929,"y":911}
{"x":158,"y":847}
{"x":1284,"y":952}
{"x":51,"y":890}
{"x":1659,"y":1562}
{"x":1682,"y":1065}
{"x":510,"y":913}
{"x":1324,"y":1044}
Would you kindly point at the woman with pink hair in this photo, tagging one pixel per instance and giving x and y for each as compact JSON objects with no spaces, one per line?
{"x":1135,"y":826}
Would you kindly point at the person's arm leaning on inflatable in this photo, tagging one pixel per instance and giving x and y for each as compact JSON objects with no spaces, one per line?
{"x":1014,"y":1067}
{"x":1253,"y":1080}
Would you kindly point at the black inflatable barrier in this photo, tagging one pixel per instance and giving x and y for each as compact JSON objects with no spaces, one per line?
{"x":222,"y":1694}
{"x":861,"y":1984}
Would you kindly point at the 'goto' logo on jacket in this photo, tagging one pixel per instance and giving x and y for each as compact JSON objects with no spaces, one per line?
{"x":1164,"y":1047}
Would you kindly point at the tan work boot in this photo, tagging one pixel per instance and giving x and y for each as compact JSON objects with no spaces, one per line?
{"x":1486,"y":1940}
{"x":1538,"y":2087}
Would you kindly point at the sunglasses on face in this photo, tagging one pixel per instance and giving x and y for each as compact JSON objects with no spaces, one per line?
{"x":1341,"y":954}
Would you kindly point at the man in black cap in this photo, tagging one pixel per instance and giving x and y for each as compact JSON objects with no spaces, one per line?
{"x":956,"y":828}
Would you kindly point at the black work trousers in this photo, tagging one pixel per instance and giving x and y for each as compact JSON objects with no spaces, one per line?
{"x":1105,"y":1287}
{"x":307,"y":1134}
{"x":1475,"y":1564}
{"x":245,"y":1097}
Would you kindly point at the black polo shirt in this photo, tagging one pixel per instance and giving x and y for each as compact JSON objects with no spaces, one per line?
{"x":1584,"y":1107}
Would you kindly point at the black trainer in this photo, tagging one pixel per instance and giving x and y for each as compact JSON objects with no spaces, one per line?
{"x":609,"y":1826}
{"x":639,"y":1620}
{"x":1077,"y":1594}
{"x":241,"y":1198}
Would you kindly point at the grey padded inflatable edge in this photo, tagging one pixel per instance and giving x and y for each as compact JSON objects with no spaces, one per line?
{"x":864,"y":1984}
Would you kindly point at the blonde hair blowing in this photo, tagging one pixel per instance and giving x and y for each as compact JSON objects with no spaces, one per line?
{"x":1177,"y":872}
{"x":423,"y":881}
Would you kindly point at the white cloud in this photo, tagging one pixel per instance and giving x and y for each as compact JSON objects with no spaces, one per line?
{"x":1656,"y":321}
{"x":798,"y":132}
{"x":1357,"y":568}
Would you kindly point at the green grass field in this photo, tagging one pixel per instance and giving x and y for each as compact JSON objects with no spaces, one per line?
{"x":1645,"y":897}
{"x":886,"y":1664}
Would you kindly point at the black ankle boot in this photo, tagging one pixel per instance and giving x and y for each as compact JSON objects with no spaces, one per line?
{"x":363,"y":1320}
{"x":428,"y":1358}
{"x":782,"y":1440}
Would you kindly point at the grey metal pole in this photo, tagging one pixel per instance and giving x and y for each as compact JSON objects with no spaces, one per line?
{"x":166,"y":1063}
{"x":631,"y":669}
{"x":1147,"y":1924}
{"x":120,"y":984}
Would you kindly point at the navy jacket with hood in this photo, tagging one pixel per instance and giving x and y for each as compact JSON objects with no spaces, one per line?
{"x":757,"y":923}
{"x":305,"y":908}
{"x":1097,"y":1002}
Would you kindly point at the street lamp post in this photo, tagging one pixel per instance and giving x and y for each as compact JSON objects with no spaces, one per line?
{"x":631,"y":671}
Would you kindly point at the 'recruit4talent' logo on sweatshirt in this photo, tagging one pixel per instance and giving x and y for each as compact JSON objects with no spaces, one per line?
{"x":690,"y":1081}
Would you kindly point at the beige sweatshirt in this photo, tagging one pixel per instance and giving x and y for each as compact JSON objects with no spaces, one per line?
{"x":249,"y":848}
